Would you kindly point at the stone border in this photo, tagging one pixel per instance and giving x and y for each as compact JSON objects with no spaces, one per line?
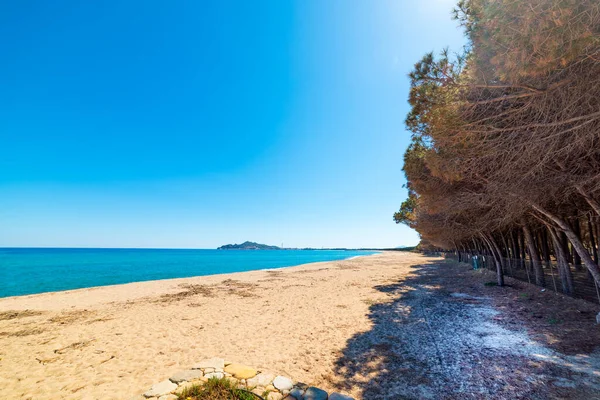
{"x":265,"y":384}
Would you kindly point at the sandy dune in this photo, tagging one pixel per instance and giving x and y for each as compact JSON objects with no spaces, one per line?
{"x":115,"y":341}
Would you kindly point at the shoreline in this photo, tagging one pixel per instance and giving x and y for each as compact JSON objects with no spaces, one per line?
{"x":174,"y":279}
{"x":153,"y":285}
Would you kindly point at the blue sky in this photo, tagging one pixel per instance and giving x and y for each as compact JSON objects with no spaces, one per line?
{"x":194,"y":124}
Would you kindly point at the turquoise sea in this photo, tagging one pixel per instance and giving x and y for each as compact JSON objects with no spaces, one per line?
{"x":37,"y":270}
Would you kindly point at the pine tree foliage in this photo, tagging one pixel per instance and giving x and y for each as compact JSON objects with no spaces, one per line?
{"x":506,"y":137}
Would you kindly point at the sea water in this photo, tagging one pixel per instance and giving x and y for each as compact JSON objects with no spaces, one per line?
{"x":37,"y":270}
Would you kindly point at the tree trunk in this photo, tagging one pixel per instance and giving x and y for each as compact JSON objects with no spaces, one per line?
{"x":566,"y":277}
{"x":598,"y":237}
{"x":576,"y":256}
{"x":575,"y":242}
{"x":515,"y":250}
{"x":543,"y":239}
{"x":565,"y":243}
{"x":497,"y":258}
{"x":592,"y":239}
{"x":534,"y":256}
{"x":522,"y":246}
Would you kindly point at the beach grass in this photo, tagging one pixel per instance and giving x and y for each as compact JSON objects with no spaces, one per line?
{"x":216,"y":389}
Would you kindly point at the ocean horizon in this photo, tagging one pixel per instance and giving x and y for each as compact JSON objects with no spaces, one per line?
{"x":33,"y":270}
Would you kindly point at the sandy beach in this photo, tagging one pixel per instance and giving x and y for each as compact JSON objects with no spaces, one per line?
{"x":387,"y":326}
{"x":94,"y":343}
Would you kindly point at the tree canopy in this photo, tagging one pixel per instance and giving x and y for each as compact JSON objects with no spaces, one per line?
{"x":506,"y":136}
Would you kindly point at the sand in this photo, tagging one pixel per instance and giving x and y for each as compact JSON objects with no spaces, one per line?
{"x":116,"y":341}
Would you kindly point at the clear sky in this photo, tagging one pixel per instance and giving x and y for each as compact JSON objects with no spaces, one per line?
{"x":199,"y":123}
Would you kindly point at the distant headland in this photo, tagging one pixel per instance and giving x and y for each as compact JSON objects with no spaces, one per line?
{"x":248,"y":246}
{"x":258,"y":246}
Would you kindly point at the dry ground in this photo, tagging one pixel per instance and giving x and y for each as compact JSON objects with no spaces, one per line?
{"x":444,"y":334}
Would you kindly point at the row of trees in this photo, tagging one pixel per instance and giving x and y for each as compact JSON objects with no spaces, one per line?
{"x":505,"y":152}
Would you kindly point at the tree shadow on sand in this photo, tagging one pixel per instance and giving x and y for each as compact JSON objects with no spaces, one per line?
{"x":432,"y":341}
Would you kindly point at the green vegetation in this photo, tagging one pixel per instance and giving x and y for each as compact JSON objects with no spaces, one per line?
{"x":216,"y":389}
{"x":505,"y":148}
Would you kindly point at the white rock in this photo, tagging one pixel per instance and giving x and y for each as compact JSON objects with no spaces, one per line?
{"x":168,"y":397}
{"x":262,"y":379}
{"x":161,"y":389}
{"x":215,"y":362}
{"x":283,"y":383}
{"x":217,"y":375}
{"x":188,"y":375}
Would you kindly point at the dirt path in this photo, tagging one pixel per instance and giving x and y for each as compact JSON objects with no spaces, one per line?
{"x":441,"y":335}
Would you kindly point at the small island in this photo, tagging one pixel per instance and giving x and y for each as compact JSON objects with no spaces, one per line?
{"x":248,"y":246}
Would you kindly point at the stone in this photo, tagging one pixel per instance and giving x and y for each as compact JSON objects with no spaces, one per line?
{"x":283,"y":383}
{"x":339,"y":396}
{"x":313,"y":393}
{"x":270,"y":388}
{"x":297,"y":393}
{"x":215,"y":362}
{"x":208,"y":370}
{"x":187,"y":375}
{"x":262,"y":379}
{"x":168,"y":397}
{"x":241,"y":371}
{"x":217,"y":375}
{"x":161,"y":389}
{"x":274,"y":396}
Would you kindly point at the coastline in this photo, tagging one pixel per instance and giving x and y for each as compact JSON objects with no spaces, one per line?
{"x":31,"y":271}
{"x":137,"y":289}
{"x":294,"y":320}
